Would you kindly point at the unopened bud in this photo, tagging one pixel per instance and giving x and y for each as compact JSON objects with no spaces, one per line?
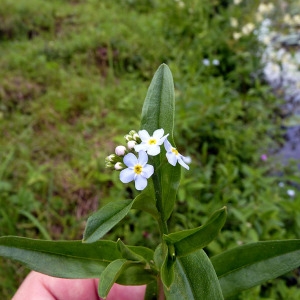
{"x":132,"y":132}
{"x":119,"y":166}
{"x":110,"y":158}
{"x":120,"y":150}
{"x":131,"y":144}
{"x":108,"y":164}
{"x":127,"y":137}
{"x":136,"y":137}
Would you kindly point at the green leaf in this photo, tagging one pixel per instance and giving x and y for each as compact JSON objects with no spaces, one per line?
{"x":188,"y":241}
{"x":159,"y":105}
{"x":170,"y":179}
{"x":146,"y":201}
{"x":167,"y":271}
{"x":128,"y":254}
{"x":78,"y":260}
{"x":110,"y":275}
{"x":137,"y":274}
{"x":165,"y":259}
{"x":250,"y":265}
{"x":105,"y":219}
{"x":158,"y":112}
{"x":195,"y":278}
{"x":146,"y":253}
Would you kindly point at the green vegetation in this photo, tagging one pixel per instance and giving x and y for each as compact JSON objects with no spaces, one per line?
{"x":73,"y":79}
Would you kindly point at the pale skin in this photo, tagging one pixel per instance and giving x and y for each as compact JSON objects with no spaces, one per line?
{"x":37,"y":286}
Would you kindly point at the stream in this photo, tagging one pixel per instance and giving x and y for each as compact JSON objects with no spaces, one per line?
{"x":281,"y":58}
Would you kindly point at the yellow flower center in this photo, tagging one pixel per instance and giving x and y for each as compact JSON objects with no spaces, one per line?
{"x":174,"y":150}
{"x":152,"y":141}
{"x":138,"y":169}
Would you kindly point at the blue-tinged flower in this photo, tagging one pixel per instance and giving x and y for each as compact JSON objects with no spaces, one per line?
{"x":138,"y":170}
{"x":151,"y":144}
{"x":174,"y":156}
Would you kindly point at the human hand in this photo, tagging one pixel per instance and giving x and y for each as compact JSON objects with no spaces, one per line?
{"x":37,"y":286}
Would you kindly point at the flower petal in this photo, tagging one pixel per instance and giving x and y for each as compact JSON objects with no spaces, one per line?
{"x":141,"y":147}
{"x":143,"y":158}
{"x":186,"y":159}
{"x":130,"y":160}
{"x":172,"y":159}
{"x":183,"y":164}
{"x":126,"y":175}
{"x":153,"y":150}
{"x":167,"y":145}
{"x":161,"y":141}
{"x":140,"y":182}
{"x":148,"y":170}
{"x":157,"y":134}
{"x":144,"y":135}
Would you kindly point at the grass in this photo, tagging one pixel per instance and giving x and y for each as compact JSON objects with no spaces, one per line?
{"x":73,"y":81}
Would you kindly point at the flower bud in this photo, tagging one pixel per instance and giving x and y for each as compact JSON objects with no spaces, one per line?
{"x":136,"y":137}
{"x":131,"y":144}
{"x":120,"y":150}
{"x":119,"y":166}
{"x":110,"y":158}
{"x":127,"y":137}
{"x":132,"y":132}
{"x":108,"y":164}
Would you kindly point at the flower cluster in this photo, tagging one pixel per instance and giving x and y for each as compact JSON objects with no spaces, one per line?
{"x":136,"y":167}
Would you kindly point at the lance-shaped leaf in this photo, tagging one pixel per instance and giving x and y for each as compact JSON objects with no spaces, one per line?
{"x":250,"y":265}
{"x":105,"y":219}
{"x":158,"y":112}
{"x":188,"y":241}
{"x":159,"y":105}
{"x":146,"y":201}
{"x":78,"y":260}
{"x":141,"y":254}
{"x":137,"y":274}
{"x":110,"y":275}
{"x":167,"y":268}
{"x":195,"y":279}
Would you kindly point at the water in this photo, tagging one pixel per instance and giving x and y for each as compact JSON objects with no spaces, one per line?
{"x":281,"y":58}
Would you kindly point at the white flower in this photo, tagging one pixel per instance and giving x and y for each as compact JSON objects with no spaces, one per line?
{"x":234,"y":22}
{"x":296,"y":19}
{"x":265,"y":8}
{"x":291,"y":193}
{"x":174,"y":156}
{"x":120,"y":150}
{"x":236,"y":2}
{"x":215,"y":62}
{"x":138,"y":170}
{"x":151,"y":144}
{"x":281,"y":184}
{"x":237,"y":35}
{"x":206,"y":62}
{"x":287,"y":19}
{"x":248,"y":28}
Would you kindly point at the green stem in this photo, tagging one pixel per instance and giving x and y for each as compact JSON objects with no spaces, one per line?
{"x":163,"y":227}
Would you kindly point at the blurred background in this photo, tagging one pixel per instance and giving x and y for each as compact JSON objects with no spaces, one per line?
{"x":73,"y":78}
